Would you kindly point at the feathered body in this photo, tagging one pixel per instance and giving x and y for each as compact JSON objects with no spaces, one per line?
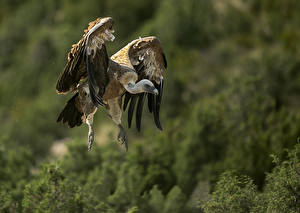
{"x":97,"y":80}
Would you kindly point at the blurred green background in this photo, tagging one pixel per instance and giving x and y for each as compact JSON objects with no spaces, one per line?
{"x":230,"y":110}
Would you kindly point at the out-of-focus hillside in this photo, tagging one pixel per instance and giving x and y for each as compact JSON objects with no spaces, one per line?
{"x":231,"y":100}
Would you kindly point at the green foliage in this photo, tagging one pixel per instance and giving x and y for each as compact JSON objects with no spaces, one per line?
{"x":231,"y":100}
{"x":7,"y":202}
{"x":52,"y":193}
{"x":232,"y":194}
{"x":281,"y":193}
{"x":175,"y":201}
{"x":235,"y":193}
{"x":15,"y":172}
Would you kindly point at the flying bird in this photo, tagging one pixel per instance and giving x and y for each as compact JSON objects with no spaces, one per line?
{"x":133,"y":74}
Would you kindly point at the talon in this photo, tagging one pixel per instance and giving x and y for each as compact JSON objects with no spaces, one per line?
{"x":123,"y":138}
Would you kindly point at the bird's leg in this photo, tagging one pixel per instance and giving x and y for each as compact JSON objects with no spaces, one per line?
{"x":115,"y":112}
{"x":89,"y":122}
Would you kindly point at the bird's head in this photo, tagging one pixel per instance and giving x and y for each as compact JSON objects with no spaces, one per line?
{"x":149,"y":87}
{"x":101,"y":28}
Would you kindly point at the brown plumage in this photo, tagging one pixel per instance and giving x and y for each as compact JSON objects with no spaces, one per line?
{"x":136,"y":71}
{"x":146,"y":56}
{"x":75,"y":69}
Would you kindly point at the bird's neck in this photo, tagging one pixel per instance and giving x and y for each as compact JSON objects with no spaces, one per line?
{"x":138,"y":87}
{"x":135,"y":88}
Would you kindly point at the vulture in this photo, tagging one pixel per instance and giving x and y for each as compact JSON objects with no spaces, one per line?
{"x":126,"y":79}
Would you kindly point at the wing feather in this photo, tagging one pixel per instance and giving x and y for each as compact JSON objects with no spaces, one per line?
{"x":139,"y":111}
{"x":160,"y":88}
{"x":74,"y":69}
{"x":146,"y":56}
{"x":78,"y":60}
{"x":155,"y":107}
{"x":71,"y":114}
{"x":97,"y":66}
{"x":126,"y":100}
{"x":150,"y":102}
{"x":131,"y":109}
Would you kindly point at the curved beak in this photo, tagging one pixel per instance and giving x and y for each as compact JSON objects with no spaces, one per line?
{"x":153,"y":90}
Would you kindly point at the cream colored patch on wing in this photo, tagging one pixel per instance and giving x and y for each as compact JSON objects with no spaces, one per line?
{"x":152,"y":68}
{"x":122,"y":57}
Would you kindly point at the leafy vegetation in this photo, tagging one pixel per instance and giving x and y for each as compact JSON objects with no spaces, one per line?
{"x":230,"y":110}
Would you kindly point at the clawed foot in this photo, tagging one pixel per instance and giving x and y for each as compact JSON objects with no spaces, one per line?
{"x":122,"y":137}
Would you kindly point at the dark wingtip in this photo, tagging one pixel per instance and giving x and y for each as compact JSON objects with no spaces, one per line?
{"x":58,"y":119}
{"x":150,"y":102}
{"x":131,"y":109}
{"x":139,"y":111}
{"x":96,"y":99}
{"x":157,"y":123}
{"x":156,"y":117}
{"x":156,"y":107}
{"x":70,"y":114}
{"x":126,"y":100}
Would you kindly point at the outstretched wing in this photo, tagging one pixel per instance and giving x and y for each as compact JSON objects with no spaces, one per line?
{"x":74,"y":69}
{"x":146,"y":56}
{"x":88,"y":58}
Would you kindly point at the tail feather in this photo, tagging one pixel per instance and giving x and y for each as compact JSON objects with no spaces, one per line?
{"x":70,"y":114}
